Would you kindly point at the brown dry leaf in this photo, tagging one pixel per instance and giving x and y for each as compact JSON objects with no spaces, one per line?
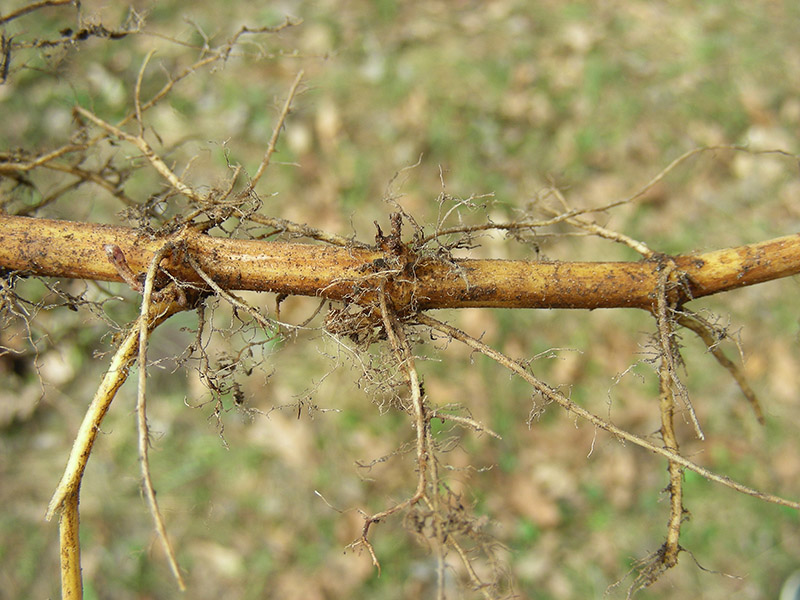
{"x":618,"y":471}
{"x":218,"y":561}
{"x":527,"y":499}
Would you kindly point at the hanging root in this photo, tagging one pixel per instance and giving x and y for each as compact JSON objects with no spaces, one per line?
{"x":68,"y":529}
{"x":66,"y":497}
{"x":405,"y":358}
{"x":712,"y":337}
{"x":560,"y":399}
{"x":141,"y":414}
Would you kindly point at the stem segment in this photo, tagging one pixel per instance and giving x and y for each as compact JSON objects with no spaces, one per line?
{"x":69,"y":249}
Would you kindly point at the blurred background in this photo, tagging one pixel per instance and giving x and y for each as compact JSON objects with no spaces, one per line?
{"x":495,"y":101}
